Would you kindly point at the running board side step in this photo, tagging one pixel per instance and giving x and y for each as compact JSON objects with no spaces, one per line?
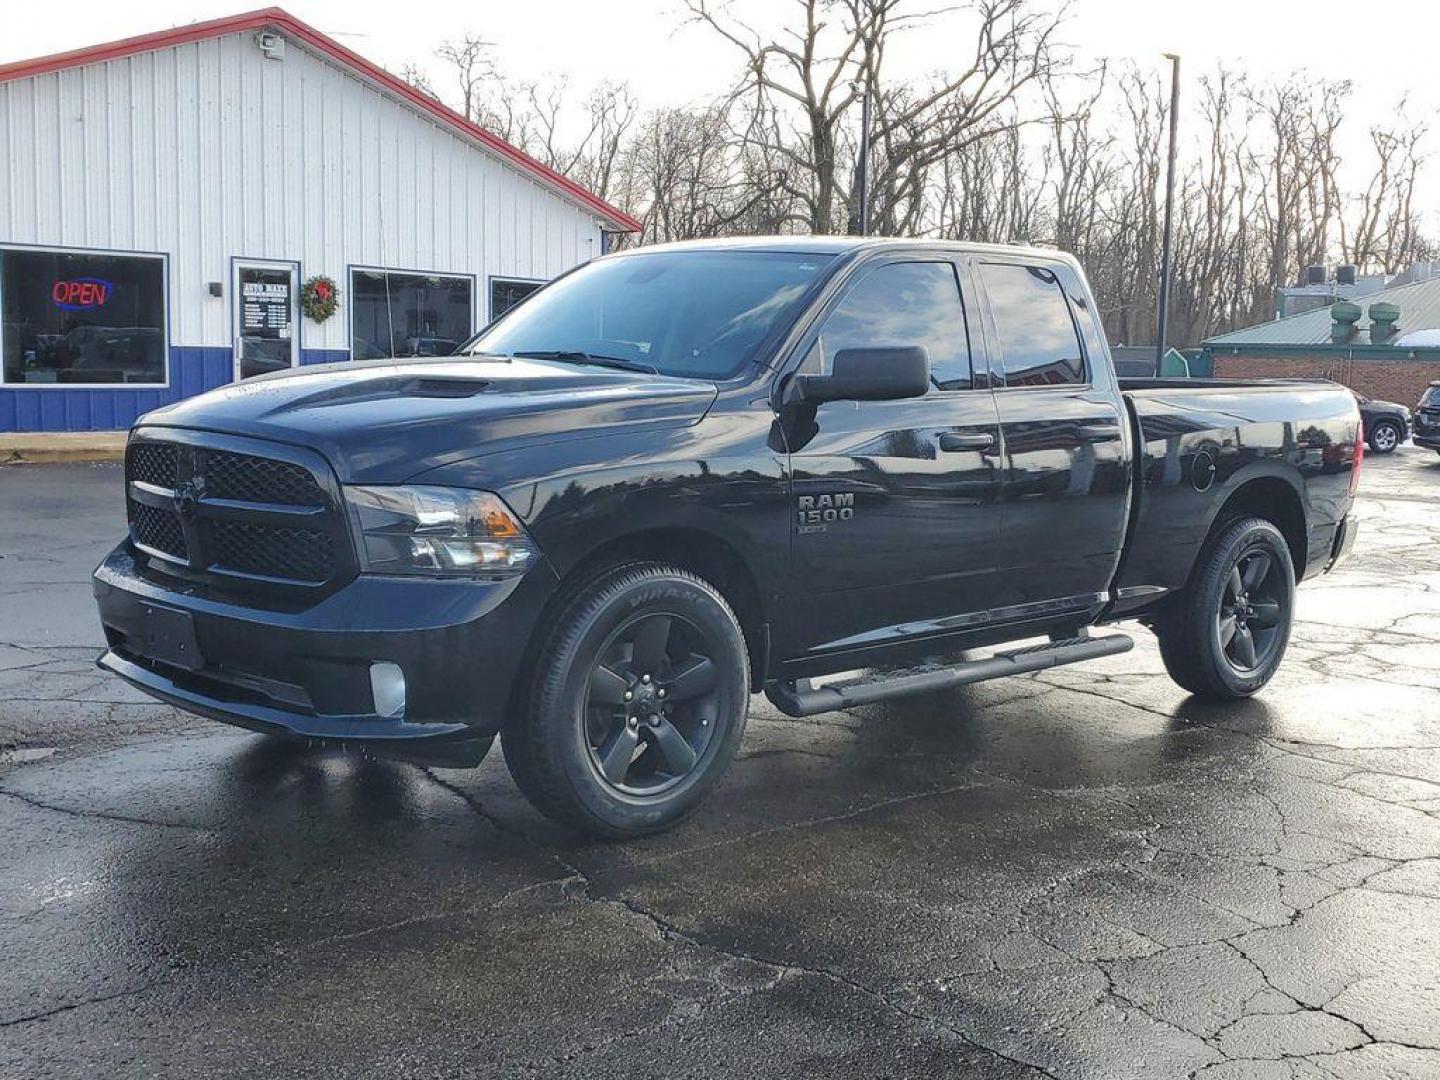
{"x":800,"y":698}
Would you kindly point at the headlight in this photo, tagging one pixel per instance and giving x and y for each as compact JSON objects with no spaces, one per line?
{"x":439,"y":531}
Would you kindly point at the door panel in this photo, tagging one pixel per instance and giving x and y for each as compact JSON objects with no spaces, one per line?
{"x":893,"y":502}
{"x":895,"y":519}
{"x":1066,"y":484}
{"x":1066,"y":490}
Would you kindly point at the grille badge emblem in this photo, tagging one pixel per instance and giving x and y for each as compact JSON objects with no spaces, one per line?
{"x":187,"y":497}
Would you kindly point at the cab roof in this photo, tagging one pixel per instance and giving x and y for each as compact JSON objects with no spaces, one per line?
{"x":842,"y":245}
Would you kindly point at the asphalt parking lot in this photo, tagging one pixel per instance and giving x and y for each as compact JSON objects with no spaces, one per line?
{"x":1079,"y":874}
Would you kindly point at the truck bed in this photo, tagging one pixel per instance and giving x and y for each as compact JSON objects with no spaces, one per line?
{"x":1288,"y":443}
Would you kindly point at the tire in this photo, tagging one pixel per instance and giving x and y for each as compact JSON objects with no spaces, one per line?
{"x":1242,"y":589}
{"x":637,"y":703}
{"x":1385,"y":436}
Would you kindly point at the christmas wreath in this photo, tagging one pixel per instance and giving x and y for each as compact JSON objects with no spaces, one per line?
{"x":319,"y":297}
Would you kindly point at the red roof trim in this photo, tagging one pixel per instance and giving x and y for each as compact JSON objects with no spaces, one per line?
{"x":282,"y":20}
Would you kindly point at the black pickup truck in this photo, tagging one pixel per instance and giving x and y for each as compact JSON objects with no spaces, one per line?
{"x":680,"y":475}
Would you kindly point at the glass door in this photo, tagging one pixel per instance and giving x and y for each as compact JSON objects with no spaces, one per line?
{"x":267,"y":317}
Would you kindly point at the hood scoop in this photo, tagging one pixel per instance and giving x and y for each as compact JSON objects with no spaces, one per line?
{"x":440,"y":387}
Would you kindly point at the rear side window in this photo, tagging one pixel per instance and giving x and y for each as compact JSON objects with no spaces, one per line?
{"x":1037,"y":336}
{"x":915,"y":303}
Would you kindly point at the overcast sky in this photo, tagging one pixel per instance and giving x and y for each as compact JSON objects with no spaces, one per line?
{"x":1388,"y":50}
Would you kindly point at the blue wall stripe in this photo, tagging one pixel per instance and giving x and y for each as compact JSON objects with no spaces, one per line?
{"x":323,"y":356}
{"x":193,"y":370}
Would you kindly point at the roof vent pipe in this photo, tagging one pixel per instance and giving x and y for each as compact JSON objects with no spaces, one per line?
{"x":1343,"y":316}
{"x":1383,"y":317}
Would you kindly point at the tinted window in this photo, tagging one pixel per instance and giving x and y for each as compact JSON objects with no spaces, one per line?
{"x":72,"y":317}
{"x":901,"y":304}
{"x":504,"y":294}
{"x":1037,"y":335}
{"x":401,"y":314}
{"x":700,"y":313}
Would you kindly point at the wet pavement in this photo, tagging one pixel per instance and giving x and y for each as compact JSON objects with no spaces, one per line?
{"x":1078,"y":874}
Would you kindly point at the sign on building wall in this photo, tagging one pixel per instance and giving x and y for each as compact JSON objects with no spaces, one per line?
{"x":265,"y":308}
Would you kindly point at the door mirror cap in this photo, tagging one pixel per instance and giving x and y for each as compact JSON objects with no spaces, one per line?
{"x":885,"y":374}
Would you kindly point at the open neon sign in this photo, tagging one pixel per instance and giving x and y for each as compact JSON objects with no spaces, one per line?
{"x":81,"y":294}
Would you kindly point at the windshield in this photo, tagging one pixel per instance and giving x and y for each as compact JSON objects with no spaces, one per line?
{"x":693,"y":313}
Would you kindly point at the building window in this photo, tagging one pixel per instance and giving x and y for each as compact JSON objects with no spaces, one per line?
{"x":74,"y":317}
{"x":505,"y":293}
{"x":395,"y":313}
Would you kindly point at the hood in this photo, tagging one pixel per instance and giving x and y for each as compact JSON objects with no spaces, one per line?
{"x":1376,"y":406}
{"x":388,"y":420}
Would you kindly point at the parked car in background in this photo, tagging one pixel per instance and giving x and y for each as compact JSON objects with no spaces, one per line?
{"x":1427,"y":418}
{"x":681,"y":474}
{"x":1387,"y":423}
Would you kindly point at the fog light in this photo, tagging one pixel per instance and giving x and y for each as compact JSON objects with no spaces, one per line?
{"x":387,"y":686}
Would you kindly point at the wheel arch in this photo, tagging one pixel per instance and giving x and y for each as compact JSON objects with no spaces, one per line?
{"x":705,"y":554}
{"x":1274,"y":498}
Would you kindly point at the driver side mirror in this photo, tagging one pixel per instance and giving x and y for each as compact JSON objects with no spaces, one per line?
{"x":886,"y":374}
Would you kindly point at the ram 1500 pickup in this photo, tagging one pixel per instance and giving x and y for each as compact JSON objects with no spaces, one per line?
{"x":680,"y":475}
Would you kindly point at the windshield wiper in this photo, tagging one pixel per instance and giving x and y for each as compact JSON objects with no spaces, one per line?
{"x":576,"y":356}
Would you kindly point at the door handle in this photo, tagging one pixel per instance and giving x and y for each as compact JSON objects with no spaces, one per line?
{"x":1097,"y":432}
{"x":953,"y":440}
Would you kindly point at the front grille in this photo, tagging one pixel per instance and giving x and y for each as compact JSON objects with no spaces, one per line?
{"x":228,"y":516}
{"x":157,"y":529}
{"x":291,"y":554}
{"x":246,"y":478}
{"x":152,"y":463}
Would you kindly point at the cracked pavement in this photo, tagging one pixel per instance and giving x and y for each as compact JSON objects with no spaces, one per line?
{"x":1082,"y":873}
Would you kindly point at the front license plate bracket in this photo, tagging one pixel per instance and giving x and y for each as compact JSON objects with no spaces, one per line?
{"x":168,"y":635}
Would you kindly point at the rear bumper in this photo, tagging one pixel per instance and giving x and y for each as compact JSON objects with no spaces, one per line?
{"x":307,"y":673}
{"x":1344,"y":541}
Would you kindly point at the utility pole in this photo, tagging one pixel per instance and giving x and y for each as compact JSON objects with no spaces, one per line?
{"x":862,"y":186}
{"x":1162,"y":305}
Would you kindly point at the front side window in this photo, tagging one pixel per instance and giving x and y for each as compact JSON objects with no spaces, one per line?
{"x":691,"y":313}
{"x":81,"y":317}
{"x":394,"y":313}
{"x":1037,"y":336}
{"x":901,"y":304}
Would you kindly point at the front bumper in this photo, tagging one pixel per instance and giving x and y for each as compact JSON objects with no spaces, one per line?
{"x":307,"y":673}
{"x":1430,"y":439}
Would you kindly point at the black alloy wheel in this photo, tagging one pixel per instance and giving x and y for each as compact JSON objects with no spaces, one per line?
{"x":638,"y":694}
{"x":1225,"y":635}
{"x":651,"y":705}
{"x":1250,"y":612}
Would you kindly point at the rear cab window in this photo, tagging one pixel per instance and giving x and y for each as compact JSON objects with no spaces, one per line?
{"x":1036,"y":335}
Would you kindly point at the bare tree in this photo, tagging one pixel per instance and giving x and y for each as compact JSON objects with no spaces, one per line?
{"x":1007,"y":143}
{"x":801,"y":86}
{"x":471,"y":66}
{"x":1387,"y":230}
{"x":412,"y":74}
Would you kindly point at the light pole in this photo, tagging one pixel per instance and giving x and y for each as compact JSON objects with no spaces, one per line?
{"x":1162,"y":305}
{"x":862,"y":185}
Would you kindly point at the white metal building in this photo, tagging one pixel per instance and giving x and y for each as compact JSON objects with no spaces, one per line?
{"x":164,"y":199}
